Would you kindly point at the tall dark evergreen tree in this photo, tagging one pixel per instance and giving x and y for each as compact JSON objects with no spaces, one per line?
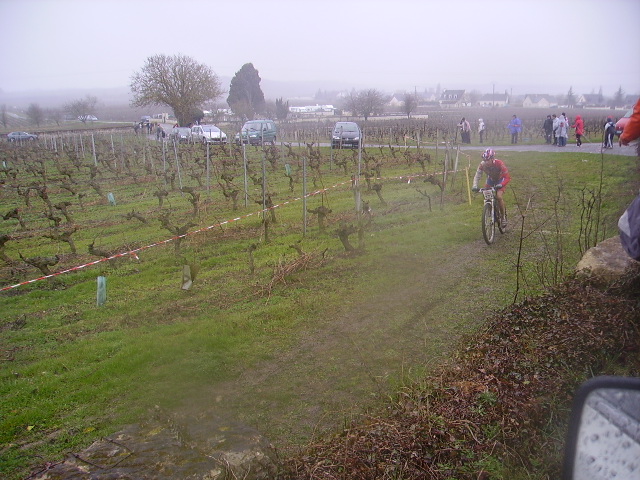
{"x":571,"y":98}
{"x":282,"y":109}
{"x":618,"y":97}
{"x":245,"y":95}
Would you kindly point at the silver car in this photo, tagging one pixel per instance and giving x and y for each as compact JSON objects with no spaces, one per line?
{"x":208,"y":134}
{"x":180,"y":134}
{"x":21,"y":137}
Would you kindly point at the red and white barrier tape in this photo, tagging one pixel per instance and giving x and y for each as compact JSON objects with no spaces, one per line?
{"x":134,"y":253}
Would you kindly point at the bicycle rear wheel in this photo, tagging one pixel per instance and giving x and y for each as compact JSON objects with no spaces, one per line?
{"x":488,"y":224}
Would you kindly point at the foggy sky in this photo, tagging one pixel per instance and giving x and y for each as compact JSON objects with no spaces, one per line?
{"x":530,"y":46}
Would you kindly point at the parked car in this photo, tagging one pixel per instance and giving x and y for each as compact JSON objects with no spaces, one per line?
{"x":87,"y":118}
{"x":620,"y":124}
{"x":346,"y":134}
{"x":180,"y":134}
{"x":21,"y":137}
{"x":208,"y":134}
{"x":257,"y":132}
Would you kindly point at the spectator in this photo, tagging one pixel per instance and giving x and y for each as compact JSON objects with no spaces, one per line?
{"x":515,"y":127}
{"x":556,"y":124}
{"x":548,"y":129}
{"x":629,"y":223}
{"x":631,"y":130}
{"x":609,"y":133}
{"x":579,"y":126}
{"x":481,"y":129}
{"x":562,"y":131}
{"x":465,"y":130}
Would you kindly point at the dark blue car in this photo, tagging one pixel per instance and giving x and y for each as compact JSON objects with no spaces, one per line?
{"x":346,"y":135}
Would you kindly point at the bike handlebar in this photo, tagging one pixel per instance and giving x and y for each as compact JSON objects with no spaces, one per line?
{"x":483,"y":189}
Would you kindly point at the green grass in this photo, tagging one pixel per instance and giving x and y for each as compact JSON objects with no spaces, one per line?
{"x":73,"y":372}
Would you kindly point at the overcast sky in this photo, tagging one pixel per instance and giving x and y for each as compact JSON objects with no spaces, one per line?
{"x":521,"y":46}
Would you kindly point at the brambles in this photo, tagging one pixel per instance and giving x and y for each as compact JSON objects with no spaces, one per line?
{"x":284,"y":270}
{"x":496,"y":397}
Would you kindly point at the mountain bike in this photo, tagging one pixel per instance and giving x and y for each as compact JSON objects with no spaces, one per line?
{"x":490,"y":215}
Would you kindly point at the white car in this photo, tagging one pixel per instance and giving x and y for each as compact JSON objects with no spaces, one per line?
{"x":208,"y":134}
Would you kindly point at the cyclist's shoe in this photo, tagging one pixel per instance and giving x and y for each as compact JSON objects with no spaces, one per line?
{"x":503,"y":222}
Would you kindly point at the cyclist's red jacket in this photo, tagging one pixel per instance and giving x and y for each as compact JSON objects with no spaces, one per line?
{"x":497,"y":172}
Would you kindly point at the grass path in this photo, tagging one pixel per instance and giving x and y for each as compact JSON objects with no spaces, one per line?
{"x":358,"y":353}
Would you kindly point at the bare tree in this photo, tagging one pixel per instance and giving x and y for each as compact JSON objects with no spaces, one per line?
{"x":54,"y":115}
{"x":474,"y":96}
{"x":35,"y":114}
{"x":4,"y":117}
{"x":350,"y":103}
{"x":370,"y":102}
{"x":178,"y":82}
{"x":410,"y":104}
{"x":83,"y":108}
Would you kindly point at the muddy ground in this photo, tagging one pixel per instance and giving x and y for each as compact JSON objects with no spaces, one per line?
{"x":342,"y":366}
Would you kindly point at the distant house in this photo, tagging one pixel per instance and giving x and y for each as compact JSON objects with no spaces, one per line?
{"x":535,"y":100}
{"x":594,"y":100}
{"x":397,"y":100}
{"x":494,"y":100}
{"x":452,"y":99}
{"x":313,"y":110}
{"x":580,"y":100}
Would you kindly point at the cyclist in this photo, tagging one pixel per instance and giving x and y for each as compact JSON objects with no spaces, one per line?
{"x":497,"y":176}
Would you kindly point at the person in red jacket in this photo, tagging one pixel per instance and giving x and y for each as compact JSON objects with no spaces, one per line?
{"x":579,"y":126}
{"x":632,"y":128}
{"x":497,"y":176}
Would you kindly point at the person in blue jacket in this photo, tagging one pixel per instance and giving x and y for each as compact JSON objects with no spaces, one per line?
{"x":515,"y":127}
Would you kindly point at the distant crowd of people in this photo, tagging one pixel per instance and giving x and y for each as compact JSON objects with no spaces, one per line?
{"x":149,"y":128}
{"x":514,"y":126}
{"x":556,"y":128}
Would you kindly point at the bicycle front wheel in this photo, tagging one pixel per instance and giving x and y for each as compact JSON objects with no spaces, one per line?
{"x":488,"y":225}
